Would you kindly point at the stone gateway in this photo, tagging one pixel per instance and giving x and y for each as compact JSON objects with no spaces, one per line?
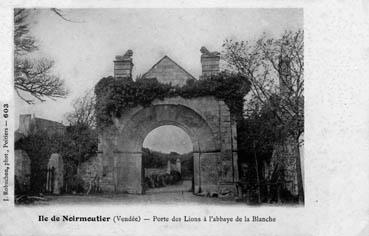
{"x":206,"y":120}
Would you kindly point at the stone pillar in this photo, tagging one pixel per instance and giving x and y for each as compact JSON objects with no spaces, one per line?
{"x":178,"y":165}
{"x":123,"y":65}
{"x":56,"y":161}
{"x":168,"y":167}
{"x":128,"y":172}
{"x":209,"y":62}
{"x":196,"y":172}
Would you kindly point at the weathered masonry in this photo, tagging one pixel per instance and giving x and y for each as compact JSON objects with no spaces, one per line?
{"x":206,"y":120}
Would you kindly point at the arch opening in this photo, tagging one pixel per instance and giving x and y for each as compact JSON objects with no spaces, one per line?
{"x":167,"y":160}
{"x":168,"y":138}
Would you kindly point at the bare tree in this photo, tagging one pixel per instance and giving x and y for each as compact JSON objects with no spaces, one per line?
{"x":32,"y":76}
{"x":275,"y":67}
{"x":83,"y":111}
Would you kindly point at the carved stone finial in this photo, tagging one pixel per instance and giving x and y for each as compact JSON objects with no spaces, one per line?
{"x":206,"y":52}
{"x":128,"y":54}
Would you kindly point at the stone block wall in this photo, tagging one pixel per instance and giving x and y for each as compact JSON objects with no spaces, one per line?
{"x":90,"y":172}
{"x":210,"y":65}
{"x":128,"y":166}
{"x":29,"y":123}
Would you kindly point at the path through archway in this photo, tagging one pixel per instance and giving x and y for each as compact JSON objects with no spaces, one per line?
{"x":167,"y":161}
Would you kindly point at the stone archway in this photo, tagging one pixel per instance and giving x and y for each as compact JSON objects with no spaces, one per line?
{"x":206,"y":120}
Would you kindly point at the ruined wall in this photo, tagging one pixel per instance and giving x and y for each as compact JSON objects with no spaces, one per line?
{"x":51,"y":127}
{"x":29,"y":123}
{"x":22,"y":169}
{"x":90,"y":172}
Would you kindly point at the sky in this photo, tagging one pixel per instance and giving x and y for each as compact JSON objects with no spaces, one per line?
{"x":161,"y":139}
{"x":84,"y":50}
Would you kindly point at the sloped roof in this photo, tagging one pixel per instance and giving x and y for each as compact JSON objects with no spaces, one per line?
{"x":166,"y":70}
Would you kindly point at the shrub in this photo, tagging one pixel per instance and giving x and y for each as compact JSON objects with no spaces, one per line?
{"x":115,"y":96}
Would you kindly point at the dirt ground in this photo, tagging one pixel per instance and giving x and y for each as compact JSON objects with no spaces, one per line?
{"x":154,"y":198}
{"x":174,"y":194}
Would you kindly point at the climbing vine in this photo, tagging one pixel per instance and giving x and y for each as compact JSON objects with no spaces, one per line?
{"x":115,"y":96}
{"x":76,"y":145}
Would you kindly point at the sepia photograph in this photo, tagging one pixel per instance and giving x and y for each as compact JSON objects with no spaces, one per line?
{"x":173,"y":117}
{"x":159,"y":106}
